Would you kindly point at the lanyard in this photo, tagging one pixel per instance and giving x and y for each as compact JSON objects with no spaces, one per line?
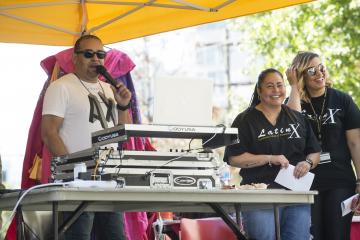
{"x":318,"y":118}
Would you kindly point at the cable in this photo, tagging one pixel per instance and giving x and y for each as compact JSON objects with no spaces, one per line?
{"x":190,"y":144}
{"x":104,"y":156}
{"x":147,"y":174}
{"x":106,"y":159}
{"x":95,"y":169}
{"x":169,"y":161}
{"x":213,"y":136}
{"x":117,"y":166}
{"x":13,"y":212}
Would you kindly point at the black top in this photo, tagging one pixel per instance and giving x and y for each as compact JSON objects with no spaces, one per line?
{"x":291,"y":136}
{"x":340,"y":114}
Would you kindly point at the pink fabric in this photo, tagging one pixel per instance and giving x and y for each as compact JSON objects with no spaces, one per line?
{"x":205,"y":229}
{"x":355,"y":231}
{"x":34,"y":145}
{"x":118,"y":64}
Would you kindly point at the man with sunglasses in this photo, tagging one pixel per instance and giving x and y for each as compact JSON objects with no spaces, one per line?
{"x":335,"y":120}
{"x":76,"y":105}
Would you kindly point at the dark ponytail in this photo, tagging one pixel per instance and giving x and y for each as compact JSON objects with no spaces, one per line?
{"x":255,"y":99}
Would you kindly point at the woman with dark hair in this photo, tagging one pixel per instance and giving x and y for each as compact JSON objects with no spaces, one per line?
{"x":272,"y":136}
{"x":335,"y":119}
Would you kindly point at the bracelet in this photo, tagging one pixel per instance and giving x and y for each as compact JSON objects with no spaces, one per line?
{"x":269,"y":160}
{"x":123,"y":108}
{"x":309,"y":161}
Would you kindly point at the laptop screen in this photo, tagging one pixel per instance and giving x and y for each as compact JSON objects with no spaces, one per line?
{"x":183,"y":101}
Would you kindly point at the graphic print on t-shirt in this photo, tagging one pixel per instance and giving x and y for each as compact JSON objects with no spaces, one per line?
{"x":327,"y":118}
{"x":291,"y":131}
{"x":96,"y":111}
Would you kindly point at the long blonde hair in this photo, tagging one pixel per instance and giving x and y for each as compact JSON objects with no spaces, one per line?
{"x":301,"y":62}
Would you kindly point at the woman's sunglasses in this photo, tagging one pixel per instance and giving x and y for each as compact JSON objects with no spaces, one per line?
{"x":90,"y":53}
{"x":311,"y":71}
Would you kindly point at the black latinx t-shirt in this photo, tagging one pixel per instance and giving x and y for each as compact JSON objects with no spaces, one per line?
{"x":291,"y":136}
{"x":339,"y":115}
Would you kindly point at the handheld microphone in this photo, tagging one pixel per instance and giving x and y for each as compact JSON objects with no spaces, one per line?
{"x":100,"y":69}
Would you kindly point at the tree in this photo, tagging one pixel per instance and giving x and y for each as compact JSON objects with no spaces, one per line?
{"x":329,"y":27}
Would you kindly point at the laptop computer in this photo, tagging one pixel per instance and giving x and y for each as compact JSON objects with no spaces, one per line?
{"x":183,"y":101}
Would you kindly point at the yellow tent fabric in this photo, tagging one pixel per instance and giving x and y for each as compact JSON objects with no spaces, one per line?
{"x":60,"y":22}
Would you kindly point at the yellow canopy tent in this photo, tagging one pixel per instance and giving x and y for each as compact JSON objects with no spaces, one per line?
{"x":60,"y":22}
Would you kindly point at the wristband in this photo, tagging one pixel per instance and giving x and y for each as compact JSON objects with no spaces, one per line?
{"x":309,"y":161}
{"x":123,"y":108}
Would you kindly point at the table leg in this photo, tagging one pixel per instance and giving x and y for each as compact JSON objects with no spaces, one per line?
{"x":55,"y":216}
{"x":221,"y":212}
{"x":277,"y":222}
{"x":68,"y":222}
{"x":20,"y":231}
{"x":238,"y":213}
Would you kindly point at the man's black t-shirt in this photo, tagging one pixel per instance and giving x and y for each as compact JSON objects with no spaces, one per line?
{"x":339,"y":115}
{"x":291,"y":136}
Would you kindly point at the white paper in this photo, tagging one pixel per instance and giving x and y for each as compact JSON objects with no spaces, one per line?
{"x":346,"y":205}
{"x":286,"y":178}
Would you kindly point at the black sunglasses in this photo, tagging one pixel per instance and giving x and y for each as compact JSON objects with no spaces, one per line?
{"x":100,"y":54}
{"x":311,"y":71}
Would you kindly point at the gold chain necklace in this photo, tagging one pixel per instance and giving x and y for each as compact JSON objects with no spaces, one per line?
{"x":318,"y":118}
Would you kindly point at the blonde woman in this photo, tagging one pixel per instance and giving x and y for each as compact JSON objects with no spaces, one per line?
{"x":335,"y":120}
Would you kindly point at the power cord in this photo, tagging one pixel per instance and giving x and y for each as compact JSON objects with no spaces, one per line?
{"x":190,"y":144}
{"x":13,"y":212}
{"x":211,"y":138}
{"x":214,"y":135}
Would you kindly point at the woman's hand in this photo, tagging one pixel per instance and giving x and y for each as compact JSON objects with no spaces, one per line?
{"x":291,"y":74}
{"x":355,"y":205}
{"x":301,"y":169}
{"x":279,"y":160}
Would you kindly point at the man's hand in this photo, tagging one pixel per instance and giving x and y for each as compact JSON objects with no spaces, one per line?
{"x":122,"y":94}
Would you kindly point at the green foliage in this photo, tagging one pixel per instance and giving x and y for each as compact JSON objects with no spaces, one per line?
{"x":329,"y":27}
